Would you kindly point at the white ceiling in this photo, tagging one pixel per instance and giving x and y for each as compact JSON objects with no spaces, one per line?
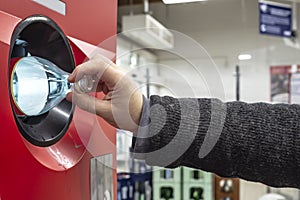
{"x":223,"y":27}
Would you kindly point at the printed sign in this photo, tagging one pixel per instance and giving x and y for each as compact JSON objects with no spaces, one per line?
{"x":275,"y":19}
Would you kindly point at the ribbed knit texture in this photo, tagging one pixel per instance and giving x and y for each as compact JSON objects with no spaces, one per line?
{"x":257,"y":142}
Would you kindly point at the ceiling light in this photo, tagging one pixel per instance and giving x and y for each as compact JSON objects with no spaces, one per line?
{"x":180,"y":1}
{"x":245,"y":57}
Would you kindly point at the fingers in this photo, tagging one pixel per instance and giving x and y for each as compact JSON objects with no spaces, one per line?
{"x":99,"y":66}
{"x":121,"y":105}
{"x":90,"y":104}
{"x":91,"y":67}
{"x":102,"y":87}
{"x":69,"y":96}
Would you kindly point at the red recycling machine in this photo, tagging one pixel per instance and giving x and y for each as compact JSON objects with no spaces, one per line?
{"x":66,"y":153}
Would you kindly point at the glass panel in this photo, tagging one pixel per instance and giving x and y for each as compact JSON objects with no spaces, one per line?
{"x":102,"y":178}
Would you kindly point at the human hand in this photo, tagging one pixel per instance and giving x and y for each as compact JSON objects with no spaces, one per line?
{"x":122,"y":104}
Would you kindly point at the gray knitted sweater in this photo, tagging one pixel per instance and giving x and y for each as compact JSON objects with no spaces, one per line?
{"x":257,"y":142}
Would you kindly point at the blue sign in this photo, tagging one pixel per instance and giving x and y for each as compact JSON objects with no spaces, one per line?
{"x":275,"y":19}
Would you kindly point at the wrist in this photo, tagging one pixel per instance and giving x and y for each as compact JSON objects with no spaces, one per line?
{"x":144,"y":116}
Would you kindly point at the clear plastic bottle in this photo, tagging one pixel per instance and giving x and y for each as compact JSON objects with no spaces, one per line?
{"x":38,"y":85}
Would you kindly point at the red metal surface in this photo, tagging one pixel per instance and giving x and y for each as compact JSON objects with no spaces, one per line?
{"x":61,"y":171}
{"x":92,"y":21}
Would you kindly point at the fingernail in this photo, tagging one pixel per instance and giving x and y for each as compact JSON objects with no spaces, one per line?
{"x":69,"y":97}
{"x":71,"y":77}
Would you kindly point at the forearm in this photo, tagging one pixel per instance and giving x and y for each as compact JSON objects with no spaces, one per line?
{"x":256,"y":142}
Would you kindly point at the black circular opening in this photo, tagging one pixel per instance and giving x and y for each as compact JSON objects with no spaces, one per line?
{"x":40,"y":36}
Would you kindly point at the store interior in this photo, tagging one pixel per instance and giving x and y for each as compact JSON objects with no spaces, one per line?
{"x":211,"y":40}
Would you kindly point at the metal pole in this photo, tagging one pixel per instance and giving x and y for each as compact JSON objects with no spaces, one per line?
{"x":146,"y":6}
{"x":237,"y":72}
{"x":148,"y":83}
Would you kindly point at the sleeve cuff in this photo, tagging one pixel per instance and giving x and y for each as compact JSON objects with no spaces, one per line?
{"x":141,"y":142}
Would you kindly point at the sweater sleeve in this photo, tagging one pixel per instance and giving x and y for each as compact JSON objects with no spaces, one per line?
{"x":256,"y":142}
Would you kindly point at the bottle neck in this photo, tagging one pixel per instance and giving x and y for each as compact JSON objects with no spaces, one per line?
{"x":84,"y":85}
{"x":68,"y":85}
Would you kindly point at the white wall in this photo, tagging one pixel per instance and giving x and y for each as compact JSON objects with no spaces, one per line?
{"x":254,"y":79}
{"x":128,"y":54}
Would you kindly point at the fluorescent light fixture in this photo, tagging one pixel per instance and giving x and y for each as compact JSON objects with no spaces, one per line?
{"x":180,"y":1}
{"x":245,"y":57}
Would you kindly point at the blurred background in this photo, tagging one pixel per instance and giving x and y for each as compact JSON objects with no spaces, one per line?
{"x":245,"y":50}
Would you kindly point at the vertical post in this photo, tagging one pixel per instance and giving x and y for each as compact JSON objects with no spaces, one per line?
{"x":148,"y":83}
{"x":146,"y":6}
{"x":237,"y":73}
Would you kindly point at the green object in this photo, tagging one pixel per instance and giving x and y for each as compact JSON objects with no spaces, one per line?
{"x":196,"y":176}
{"x":166,"y":191}
{"x":198,"y":191}
{"x":182,"y":183}
{"x":167,"y":175}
